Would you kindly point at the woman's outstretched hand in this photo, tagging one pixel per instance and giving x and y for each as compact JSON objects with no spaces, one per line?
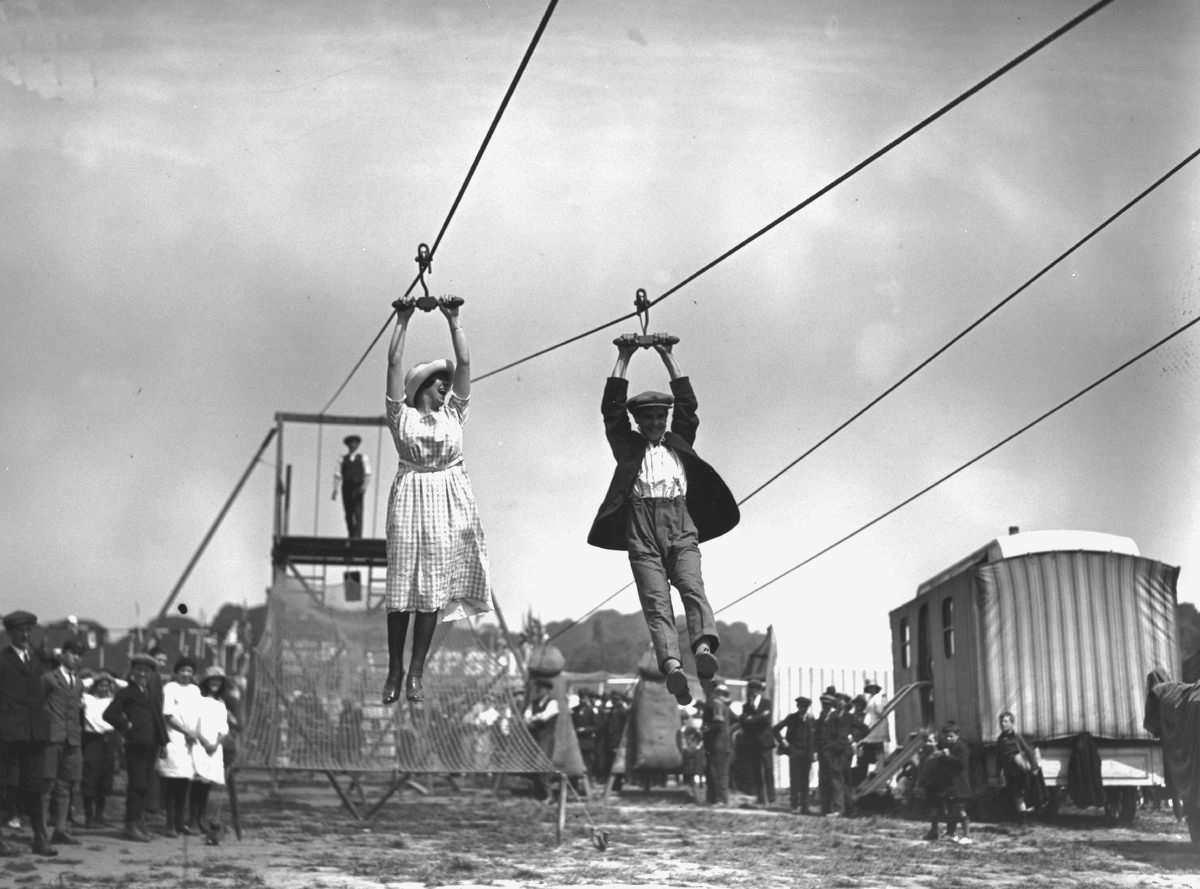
{"x":449,"y":307}
{"x":404,"y":307}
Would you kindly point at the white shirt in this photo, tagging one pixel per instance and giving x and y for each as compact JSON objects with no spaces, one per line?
{"x":93,"y":714}
{"x":879,"y":734}
{"x":661,"y":474}
{"x":550,"y":710}
{"x":366,"y":465}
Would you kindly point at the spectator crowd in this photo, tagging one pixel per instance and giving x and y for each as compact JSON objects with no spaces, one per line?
{"x":66,"y":733}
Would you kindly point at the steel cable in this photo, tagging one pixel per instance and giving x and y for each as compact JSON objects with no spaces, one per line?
{"x":537,"y":36}
{"x":903,"y":137}
{"x":971,"y":462}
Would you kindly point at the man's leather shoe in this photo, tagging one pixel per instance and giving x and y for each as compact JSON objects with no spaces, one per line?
{"x":63,"y":838}
{"x":41,"y":846}
{"x":133,"y":834}
{"x":706,"y":662}
{"x":677,"y":685}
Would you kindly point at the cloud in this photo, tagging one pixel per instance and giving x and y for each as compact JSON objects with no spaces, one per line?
{"x":636,"y":36}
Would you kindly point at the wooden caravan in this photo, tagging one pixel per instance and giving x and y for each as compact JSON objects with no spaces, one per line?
{"x":1061,"y":628}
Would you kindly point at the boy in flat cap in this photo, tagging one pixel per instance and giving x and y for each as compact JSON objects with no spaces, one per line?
{"x":24,"y":723}
{"x":136,"y":712}
{"x":63,"y":693}
{"x":662,"y":503}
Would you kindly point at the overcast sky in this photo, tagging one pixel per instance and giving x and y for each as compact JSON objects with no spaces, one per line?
{"x":206,"y":208}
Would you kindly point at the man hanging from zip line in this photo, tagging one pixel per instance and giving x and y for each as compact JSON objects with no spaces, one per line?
{"x":662,"y":502}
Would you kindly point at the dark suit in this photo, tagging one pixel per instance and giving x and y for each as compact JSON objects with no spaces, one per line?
{"x":798,"y":739}
{"x":137,"y":714}
{"x":24,"y":731}
{"x":709,"y":502}
{"x":835,"y":747}
{"x":662,"y":536}
{"x":64,"y":754}
{"x":715,"y":731}
{"x":756,"y":723}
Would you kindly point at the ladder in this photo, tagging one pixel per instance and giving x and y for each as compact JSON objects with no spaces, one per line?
{"x":899,"y":759}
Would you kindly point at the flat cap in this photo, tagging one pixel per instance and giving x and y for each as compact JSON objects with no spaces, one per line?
{"x":19,"y":619}
{"x":649,"y":398}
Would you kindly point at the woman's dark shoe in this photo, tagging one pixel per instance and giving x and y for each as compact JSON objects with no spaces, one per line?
{"x":412,"y":688}
{"x":391,"y":688}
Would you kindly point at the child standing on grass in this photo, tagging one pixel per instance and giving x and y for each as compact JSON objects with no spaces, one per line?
{"x":947,"y":784}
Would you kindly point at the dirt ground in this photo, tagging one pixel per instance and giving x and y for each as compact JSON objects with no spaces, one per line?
{"x":300,"y":836}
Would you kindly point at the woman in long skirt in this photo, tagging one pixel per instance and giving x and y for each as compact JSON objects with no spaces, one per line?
{"x":437,"y":558}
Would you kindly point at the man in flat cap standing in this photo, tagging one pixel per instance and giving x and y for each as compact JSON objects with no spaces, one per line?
{"x":795,"y":733}
{"x":662,"y":503}
{"x":351,"y":477}
{"x":715,"y":730}
{"x":831,"y":785}
{"x":24,"y":723}
{"x":756,"y":727}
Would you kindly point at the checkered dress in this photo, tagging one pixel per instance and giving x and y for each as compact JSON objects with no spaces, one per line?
{"x":437,"y":557}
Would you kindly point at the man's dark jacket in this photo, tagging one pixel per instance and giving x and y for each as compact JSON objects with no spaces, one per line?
{"x":756,"y":722}
{"x":22,"y":699}
{"x":138,"y":714}
{"x":709,"y":501}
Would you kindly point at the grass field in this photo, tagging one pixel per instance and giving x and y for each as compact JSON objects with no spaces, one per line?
{"x":302,"y":836}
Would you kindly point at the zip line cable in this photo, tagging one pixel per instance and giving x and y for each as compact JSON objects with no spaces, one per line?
{"x":512,"y":87}
{"x":1095,"y":231}
{"x":904,"y":379}
{"x":970,"y":462}
{"x":1046,"y":41}
{"x":903,"y":137}
{"x":579,"y":620}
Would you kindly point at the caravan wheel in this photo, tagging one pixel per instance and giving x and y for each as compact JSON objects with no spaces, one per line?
{"x":1054,"y":798}
{"x":1127,"y":805}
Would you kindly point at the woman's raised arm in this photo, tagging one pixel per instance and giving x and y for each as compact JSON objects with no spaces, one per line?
{"x":395,"y":370}
{"x":462,"y":355}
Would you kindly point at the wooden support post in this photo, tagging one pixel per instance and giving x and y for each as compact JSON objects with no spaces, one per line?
{"x":234,"y":816}
{"x":346,"y":801}
{"x":562,"y":808}
{"x":397,"y":783}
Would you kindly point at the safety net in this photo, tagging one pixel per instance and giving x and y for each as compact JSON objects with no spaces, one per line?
{"x":313,"y":699}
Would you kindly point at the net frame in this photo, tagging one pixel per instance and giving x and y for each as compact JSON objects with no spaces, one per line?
{"x":316,"y":675}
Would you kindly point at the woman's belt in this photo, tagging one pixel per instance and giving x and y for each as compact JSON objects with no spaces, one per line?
{"x":421,"y":467}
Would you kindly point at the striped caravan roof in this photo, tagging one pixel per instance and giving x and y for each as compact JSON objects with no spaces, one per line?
{"x":1068,"y":638}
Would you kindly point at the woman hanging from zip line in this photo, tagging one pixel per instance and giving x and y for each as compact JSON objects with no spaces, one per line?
{"x":437,"y":557}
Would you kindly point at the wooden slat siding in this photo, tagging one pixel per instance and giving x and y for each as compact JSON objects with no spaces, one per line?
{"x":791,"y":682}
{"x":1067,"y":639}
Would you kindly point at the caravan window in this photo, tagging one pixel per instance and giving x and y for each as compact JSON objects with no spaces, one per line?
{"x":905,"y":642}
{"x":948,"y":627}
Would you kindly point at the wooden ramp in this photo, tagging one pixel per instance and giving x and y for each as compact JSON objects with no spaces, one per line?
{"x":898,"y":760}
